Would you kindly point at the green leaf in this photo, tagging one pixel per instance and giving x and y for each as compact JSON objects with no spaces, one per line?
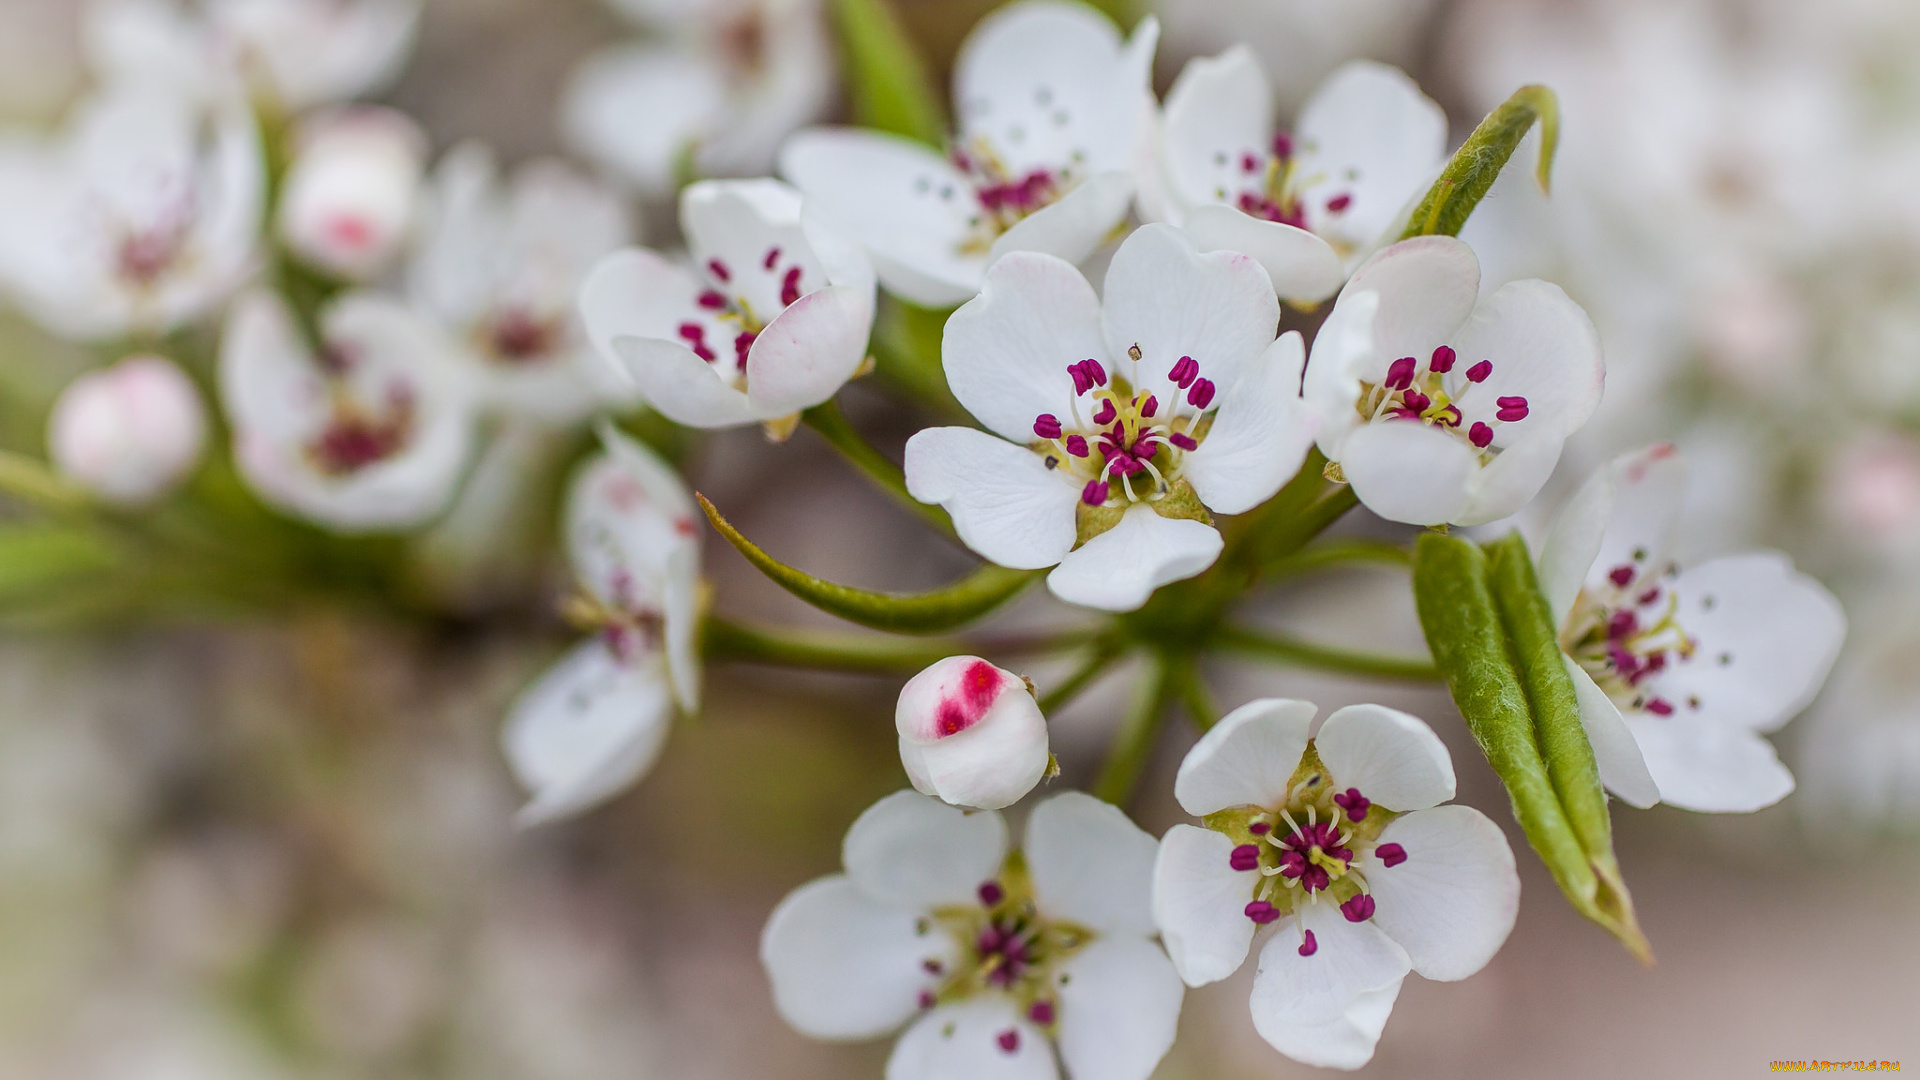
{"x":902,"y":613}
{"x":832,"y":426}
{"x":1563,"y":740}
{"x":1465,"y":180}
{"x":887,"y":79}
{"x":1472,"y":647}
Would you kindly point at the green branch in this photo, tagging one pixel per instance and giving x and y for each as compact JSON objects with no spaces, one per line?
{"x":1133,"y":742}
{"x":1097,"y":662}
{"x":1341,"y":553}
{"x":1290,"y":650}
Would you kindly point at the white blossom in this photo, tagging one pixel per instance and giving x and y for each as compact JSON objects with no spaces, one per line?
{"x":129,"y":432}
{"x":1680,"y":672}
{"x":594,"y":723}
{"x":771,"y":318}
{"x":990,"y":958}
{"x":1119,"y":426}
{"x":1438,"y":410}
{"x":350,"y":195}
{"x":971,"y":733}
{"x":1337,"y":840}
{"x":1054,"y":109}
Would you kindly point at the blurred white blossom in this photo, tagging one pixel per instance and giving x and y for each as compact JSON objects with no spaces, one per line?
{"x":129,"y":432}
{"x":353,"y":189}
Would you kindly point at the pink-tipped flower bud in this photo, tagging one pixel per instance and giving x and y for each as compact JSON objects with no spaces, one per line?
{"x":129,"y":432}
{"x":971,"y":734}
{"x":353,"y":190}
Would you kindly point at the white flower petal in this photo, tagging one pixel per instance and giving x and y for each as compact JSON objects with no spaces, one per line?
{"x":1348,"y":960}
{"x":1199,"y":903}
{"x":1342,"y":348}
{"x":751,"y":229}
{"x":1090,"y":865}
{"x":634,"y":296}
{"x":1119,"y":569}
{"x":804,"y":356}
{"x":1346,"y":1041}
{"x":915,"y":852}
{"x":1543,"y":347}
{"x":905,"y":203}
{"x":1119,"y":1007}
{"x":1050,"y":83}
{"x":1452,"y":903}
{"x":1707,"y":767}
{"x":1370,"y":134}
{"x":971,"y":734}
{"x":844,"y":966}
{"x":586,"y":730}
{"x":965,"y":1042}
{"x":1170,"y":299}
{"x":636,"y":109}
{"x":627,"y":514}
{"x":1573,"y":543}
{"x":683,"y":387}
{"x":1006,"y":504}
{"x":1515,"y":475}
{"x":1427,"y":288}
{"x":1648,"y":486}
{"x":1410,"y":472}
{"x":1260,"y":435}
{"x":1247,"y":759}
{"x":1219,"y":110}
{"x":1393,"y":758}
{"x":1006,"y":351}
{"x":1623,"y":769}
{"x":1766,"y":634}
{"x":1302,"y":267}
{"x":1073,"y":226}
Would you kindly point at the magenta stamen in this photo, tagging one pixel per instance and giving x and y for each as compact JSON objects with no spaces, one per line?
{"x":1449,"y":416}
{"x":772,"y":258}
{"x":741,"y":344}
{"x":1442,"y":361}
{"x":1151,"y":406}
{"x":932,"y":966}
{"x":1339,"y":203}
{"x":1095,"y":493}
{"x":692,"y":331}
{"x":1259,"y":828}
{"x":1106,"y":412}
{"x":1077,"y":445}
{"x":1248,"y":163}
{"x":991,"y":893}
{"x":1649,"y":596}
{"x":1623,"y":624}
{"x":1041,"y":1012}
{"x":1282,"y":145}
{"x":1660,"y":707}
{"x":1047,"y":426}
{"x":790,"y":286}
{"x":1400,"y":373}
{"x":719,"y":269}
{"x":926,"y":999}
{"x":1184,"y":372}
{"x":1478,"y":373}
{"x":712,"y":300}
{"x":1245,"y":857}
{"x":1262,"y":912}
{"x":1512,"y":408}
{"x":1416,"y":402}
{"x":1182,"y":441}
{"x":1621,"y":575}
{"x":1358,"y":909}
{"x":1202,"y":393}
{"x":1309,"y":946}
{"x":1009,"y":1040}
{"x":1391,"y":854}
{"x":1480,"y":435}
{"x":1355,"y":804}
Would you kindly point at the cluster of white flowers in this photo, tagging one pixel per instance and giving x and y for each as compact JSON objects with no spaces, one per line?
{"x":1121,"y":270}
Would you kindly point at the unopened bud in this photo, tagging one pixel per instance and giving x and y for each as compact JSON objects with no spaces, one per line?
{"x":971,"y":733}
{"x":352,"y":190}
{"x":128,"y":432}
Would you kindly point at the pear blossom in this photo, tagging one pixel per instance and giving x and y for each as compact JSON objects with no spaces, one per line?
{"x":971,"y":733}
{"x":595,"y":721}
{"x":500,"y":266}
{"x":1119,"y":427}
{"x":1438,"y":410}
{"x":296,"y":54}
{"x":353,"y":189}
{"x":992,"y":958}
{"x":370,"y":430}
{"x":129,"y":432}
{"x":1309,"y":204}
{"x":141,"y":216}
{"x":771,"y":318}
{"x":1054,"y":110}
{"x":1680,"y":673}
{"x":726,"y":80}
{"x":1336,"y":839}
{"x":1299,"y":42}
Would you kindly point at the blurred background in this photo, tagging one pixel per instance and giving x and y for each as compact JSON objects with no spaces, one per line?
{"x":282,"y":848}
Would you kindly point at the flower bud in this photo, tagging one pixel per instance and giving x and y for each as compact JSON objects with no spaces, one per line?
{"x":128,"y":432}
{"x":352,"y":190}
{"x":971,"y":733}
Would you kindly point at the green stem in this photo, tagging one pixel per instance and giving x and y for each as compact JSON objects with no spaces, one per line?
{"x":1133,"y":743}
{"x":1192,"y":691}
{"x":1097,"y":662}
{"x":723,"y":639}
{"x":1290,"y":650}
{"x":831,"y":425}
{"x":1339,"y":553}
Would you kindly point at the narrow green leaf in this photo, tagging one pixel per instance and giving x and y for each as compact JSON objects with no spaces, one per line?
{"x":886,"y":77}
{"x":782,"y":647}
{"x":832,"y":426}
{"x":1465,"y":180}
{"x":902,"y":613}
{"x":1471,"y":648}
{"x":1563,"y":741}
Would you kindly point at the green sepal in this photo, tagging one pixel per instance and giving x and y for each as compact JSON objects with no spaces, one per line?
{"x":1465,"y":180}
{"x":902,"y":613}
{"x":886,"y":78}
{"x":1476,"y":654}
